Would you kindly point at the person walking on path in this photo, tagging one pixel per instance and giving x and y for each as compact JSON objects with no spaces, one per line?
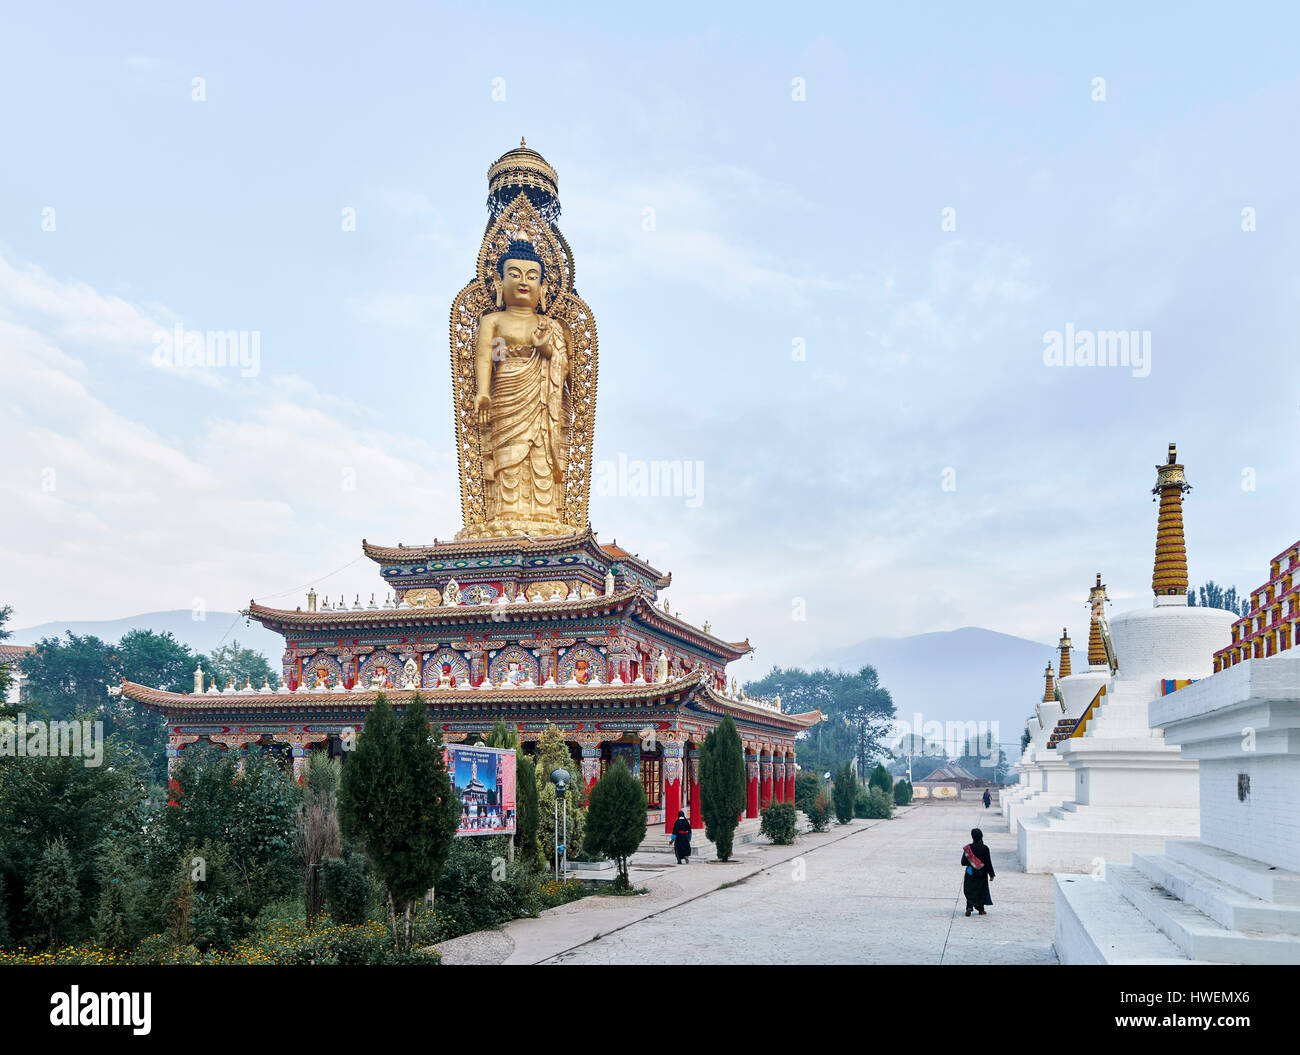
{"x":987,"y":800}
{"x":979,"y":870}
{"x":682,"y":839}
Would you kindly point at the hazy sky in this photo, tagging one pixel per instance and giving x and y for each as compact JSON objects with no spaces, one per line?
{"x":919,"y":468}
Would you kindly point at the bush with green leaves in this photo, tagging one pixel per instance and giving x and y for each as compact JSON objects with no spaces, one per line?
{"x":881,"y":779}
{"x":552,"y":754}
{"x":347,"y":887}
{"x":844,"y":792}
{"x":479,"y":888}
{"x":526,"y":809}
{"x":819,"y":813}
{"x":616,"y":818}
{"x":778,"y":823}
{"x":806,"y":787}
{"x":902,"y":792}
{"x":879,"y":805}
{"x":52,"y":894}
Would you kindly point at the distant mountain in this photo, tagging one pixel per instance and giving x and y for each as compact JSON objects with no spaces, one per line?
{"x":962,"y":675}
{"x":202,"y":635}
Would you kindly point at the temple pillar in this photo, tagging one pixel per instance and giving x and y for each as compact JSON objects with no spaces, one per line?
{"x":238,"y":743}
{"x":765,"y":768}
{"x":672,"y":797}
{"x":790,"y":769}
{"x":176,"y":743}
{"x":778,"y":781}
{"x":590,"y":765}
{"x":751,"y":784}
{"x":300,"y":745}
{"x":697,"y":818}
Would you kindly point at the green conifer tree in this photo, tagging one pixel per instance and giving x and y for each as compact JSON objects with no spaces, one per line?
{"x":846,"y":790}
{"x":52,"y":894}
{"x":526,"y":810}
{"x":722,"y":785}
{"x":616,"y":818}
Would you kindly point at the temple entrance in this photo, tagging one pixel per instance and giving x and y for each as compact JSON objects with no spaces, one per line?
{"x":652,"y":778}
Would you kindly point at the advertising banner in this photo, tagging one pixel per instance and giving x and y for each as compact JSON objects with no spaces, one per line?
{"x":483,"y":781}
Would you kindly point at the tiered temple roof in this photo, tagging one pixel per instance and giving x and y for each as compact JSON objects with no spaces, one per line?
{"x":1273,"y":622}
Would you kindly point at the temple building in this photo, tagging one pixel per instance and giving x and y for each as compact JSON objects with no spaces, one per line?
{"x":1233,"y":894}
{"x":526,"y":617}
{"x":1273,"y":622}
{"x":1130,"y":788}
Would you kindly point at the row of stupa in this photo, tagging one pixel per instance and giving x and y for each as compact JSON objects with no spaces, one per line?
{"x":1136,"y":784}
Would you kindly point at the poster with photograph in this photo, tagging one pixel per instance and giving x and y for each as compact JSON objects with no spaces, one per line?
{"x":483,"y":781}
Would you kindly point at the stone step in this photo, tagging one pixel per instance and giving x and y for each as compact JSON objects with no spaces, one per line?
{"x":1274,"y":885}
{"x":1094,"y":925}
{"x":1196,"y":934}
{"x":1225,"y":904}
{"x":657,"y":840}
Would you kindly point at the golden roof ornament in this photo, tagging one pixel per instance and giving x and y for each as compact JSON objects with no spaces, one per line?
{"x":1169,"y":576}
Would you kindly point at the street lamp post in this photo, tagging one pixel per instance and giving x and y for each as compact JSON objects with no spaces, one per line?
{"x":560,"y":778}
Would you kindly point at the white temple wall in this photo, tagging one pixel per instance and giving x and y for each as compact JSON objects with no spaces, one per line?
{"x":1266,"y":826}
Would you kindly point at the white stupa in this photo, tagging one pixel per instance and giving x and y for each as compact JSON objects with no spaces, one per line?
{"x":1233,"y":894}
{"x":1132,"y":790}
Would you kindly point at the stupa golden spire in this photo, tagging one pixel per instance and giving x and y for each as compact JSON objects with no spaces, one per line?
{"x":1169,"y":578}
{"x":1049,"y":688}
{"x":1097,"y":602}
{"x":1064,"y":645}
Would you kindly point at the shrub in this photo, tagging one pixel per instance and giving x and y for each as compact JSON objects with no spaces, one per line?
{"x":902,"y":793}
{"x":881,"y":779}
{"x":879,"y":805}
{"x":860,"y":801}
{"x":616,"y":818}
{"x":526,"y":811}
{"x":479,"y":888}
{"x":806,"y":787}
{"x":347,"y":887}
{"x":778,"y":823}
{"x":819,"y":814}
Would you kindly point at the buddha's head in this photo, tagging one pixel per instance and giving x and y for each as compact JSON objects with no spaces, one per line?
{"x":522,"y":272}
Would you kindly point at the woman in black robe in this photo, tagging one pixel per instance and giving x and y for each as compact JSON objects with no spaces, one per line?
{"x":682,"y":838}
{"x":979,"y":870}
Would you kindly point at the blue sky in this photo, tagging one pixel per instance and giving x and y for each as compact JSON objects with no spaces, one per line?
{"x":129,"y":488}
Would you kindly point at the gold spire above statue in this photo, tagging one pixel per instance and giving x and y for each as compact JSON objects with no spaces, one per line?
{"x":523,"y":365}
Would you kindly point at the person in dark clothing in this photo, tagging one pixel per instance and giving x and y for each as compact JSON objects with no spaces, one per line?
{"x":987,"y":800}
{"x":682,"y":839}
{"x":979,"y":870}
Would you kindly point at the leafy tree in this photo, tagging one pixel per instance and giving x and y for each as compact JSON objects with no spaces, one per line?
{"x":616,"y":818}
{"x":881,"y":779}
{"x":845,"y":791}
{"x":1212,"y":595}
{"x":806,"y":788}
{"x":52,"y":895}
{"x":858,"y":708}
{"x":66,"y":678}
{"x":501,"y":737}
{"x":6,"y":669}
{"x":552,"y":754}
{"x":1024,"y":740}
{"x":526,"y":813}
{"x":396,"y":798}
{"x":44,"y":798}
{"x":722,"y":785}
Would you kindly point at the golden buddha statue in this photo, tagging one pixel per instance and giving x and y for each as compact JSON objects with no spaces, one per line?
{"x":521,"y":370}
{"x":523,"y":364}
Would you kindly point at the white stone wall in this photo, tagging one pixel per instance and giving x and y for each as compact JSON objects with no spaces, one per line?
{"x":1169,"y":642}
{"x":1267,"y":825}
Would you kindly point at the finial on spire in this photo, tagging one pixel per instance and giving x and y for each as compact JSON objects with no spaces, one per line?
{"x":1169,"y":576}
{"x":521,"y":142}
{"x":1049,"y":687}
{"x":1065,"y":644}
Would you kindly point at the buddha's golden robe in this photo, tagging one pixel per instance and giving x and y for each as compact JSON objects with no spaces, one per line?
{"x":529,"y":435}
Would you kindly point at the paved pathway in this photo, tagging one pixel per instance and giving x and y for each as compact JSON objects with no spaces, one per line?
{"x":869,"y":892}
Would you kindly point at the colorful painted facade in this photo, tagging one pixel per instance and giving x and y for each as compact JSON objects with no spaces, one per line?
{"x":1273,"y":622}
{"x":523,"y":619}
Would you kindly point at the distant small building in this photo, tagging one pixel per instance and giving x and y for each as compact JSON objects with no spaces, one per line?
{"x":10,"y":655}
{"x":948,"y":782}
